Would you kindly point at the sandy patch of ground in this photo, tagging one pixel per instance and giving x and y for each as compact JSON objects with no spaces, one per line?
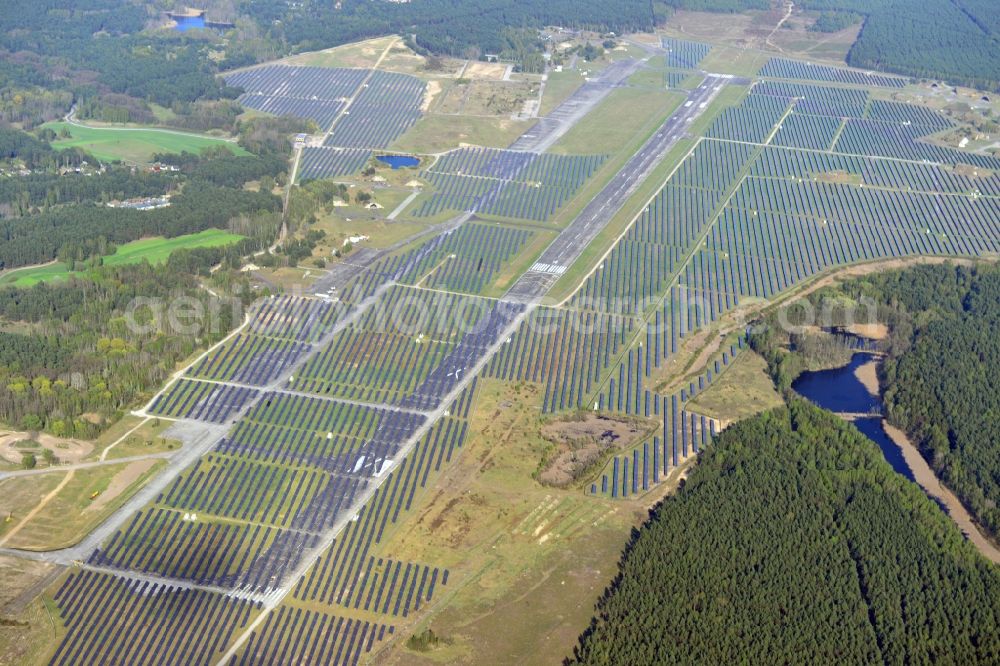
{"x":66,"y":450}
{"x":432,"y":90}
{"x":871,"y":331}
{"x":970,"y":171}
{"x":120,"y":483}
{"x":41,"y":505}
{"x":485,"y":70}
{"x":92,"y":417}
{"x":867,"y":374}
{"x":839,"y":178}
{"x":929,"y":482}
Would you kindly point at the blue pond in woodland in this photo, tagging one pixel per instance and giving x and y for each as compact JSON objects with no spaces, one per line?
{"x":185,"y":23}
{"x":840,"y":390}
{"x":399,"y":161}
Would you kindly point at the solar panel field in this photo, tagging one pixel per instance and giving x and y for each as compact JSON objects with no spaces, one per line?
{"x":343,"y":412}
{"x":383,"y":110}
{"x":358,"y":108}
{"x":505,"y":183}
{"x":322,"y":162}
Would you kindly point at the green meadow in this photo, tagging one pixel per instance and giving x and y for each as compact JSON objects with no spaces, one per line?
{"x":134,"y":144}
{"x":154,"y":250}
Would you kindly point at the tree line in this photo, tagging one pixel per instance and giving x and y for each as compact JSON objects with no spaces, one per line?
{"x":937,"y":377}
{"x":27,"y":195}
{"x":468,"y":28}
{"x":41,"y":238}
{"x":952,"y":40}
{"x":940,"y":379}
{"x":81,"y":363}
{"x":793,"y":541}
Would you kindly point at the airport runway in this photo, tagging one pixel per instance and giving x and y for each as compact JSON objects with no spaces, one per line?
{"x":561,"y":119}
{"x":539,"y":138}
{"x":571,"y":242}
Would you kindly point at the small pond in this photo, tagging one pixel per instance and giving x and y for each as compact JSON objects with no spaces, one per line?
{"x":185,"y":23}
{"x":399,"y":161}
{"x":839,"y":390}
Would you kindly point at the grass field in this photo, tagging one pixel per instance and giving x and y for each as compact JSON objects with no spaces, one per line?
{"x":146,"y":439}
{"x":743,"y":390}
{"x":651,"y":108}
{"x":615,"y":122}
{"x":527,"y":560}
{"x":750,"y":32}
{"x":438,"y":133}
{"x":83,"y":501}
{"x":381,"y":232}
{"x":134,"y":144}
{"x":154,"y":250}
{"x":558,"y":87}
{"x":356,"y":54}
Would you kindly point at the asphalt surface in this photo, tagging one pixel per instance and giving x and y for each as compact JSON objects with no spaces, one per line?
{"x":84,"y":465}
{"x":571,"y":242}
{"x":364,"y":259}
{"x":561,"y":119}
{"x":538,"y":138}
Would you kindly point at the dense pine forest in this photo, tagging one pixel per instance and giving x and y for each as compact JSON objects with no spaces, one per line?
{"x":942,"y":387}
{"x":956,"y":40}
{"x":793,"y":541}
{"x":82,"y":231}
{"x":939,"y":379}
{"x":465,"y":28}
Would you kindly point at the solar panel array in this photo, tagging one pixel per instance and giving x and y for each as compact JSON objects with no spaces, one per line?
{"x":738,"y":219}
{"x":684,"y":54}
{"x":506,"y":183}
{"x":324,"y":162}
{"x":783,"y":68}
{"x":387,"y":106}
{"x":312,"y":93}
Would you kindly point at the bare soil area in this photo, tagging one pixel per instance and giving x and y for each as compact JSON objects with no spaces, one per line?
{"x":839,"y":178}
{"x":433,"y":90}
{"x":871,"y":331}
{"x":583,"y":441}
{"x":867,"y":374}
{"x":485,"y":70}
{"x":932,"y":486}
{"x":120,"y":483}
{"x":66,"y":450}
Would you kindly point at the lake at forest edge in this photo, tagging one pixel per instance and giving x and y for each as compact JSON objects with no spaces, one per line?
{"x":839,"y":390}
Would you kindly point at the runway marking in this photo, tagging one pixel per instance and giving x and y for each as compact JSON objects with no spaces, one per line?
{"x":552,"y":269}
